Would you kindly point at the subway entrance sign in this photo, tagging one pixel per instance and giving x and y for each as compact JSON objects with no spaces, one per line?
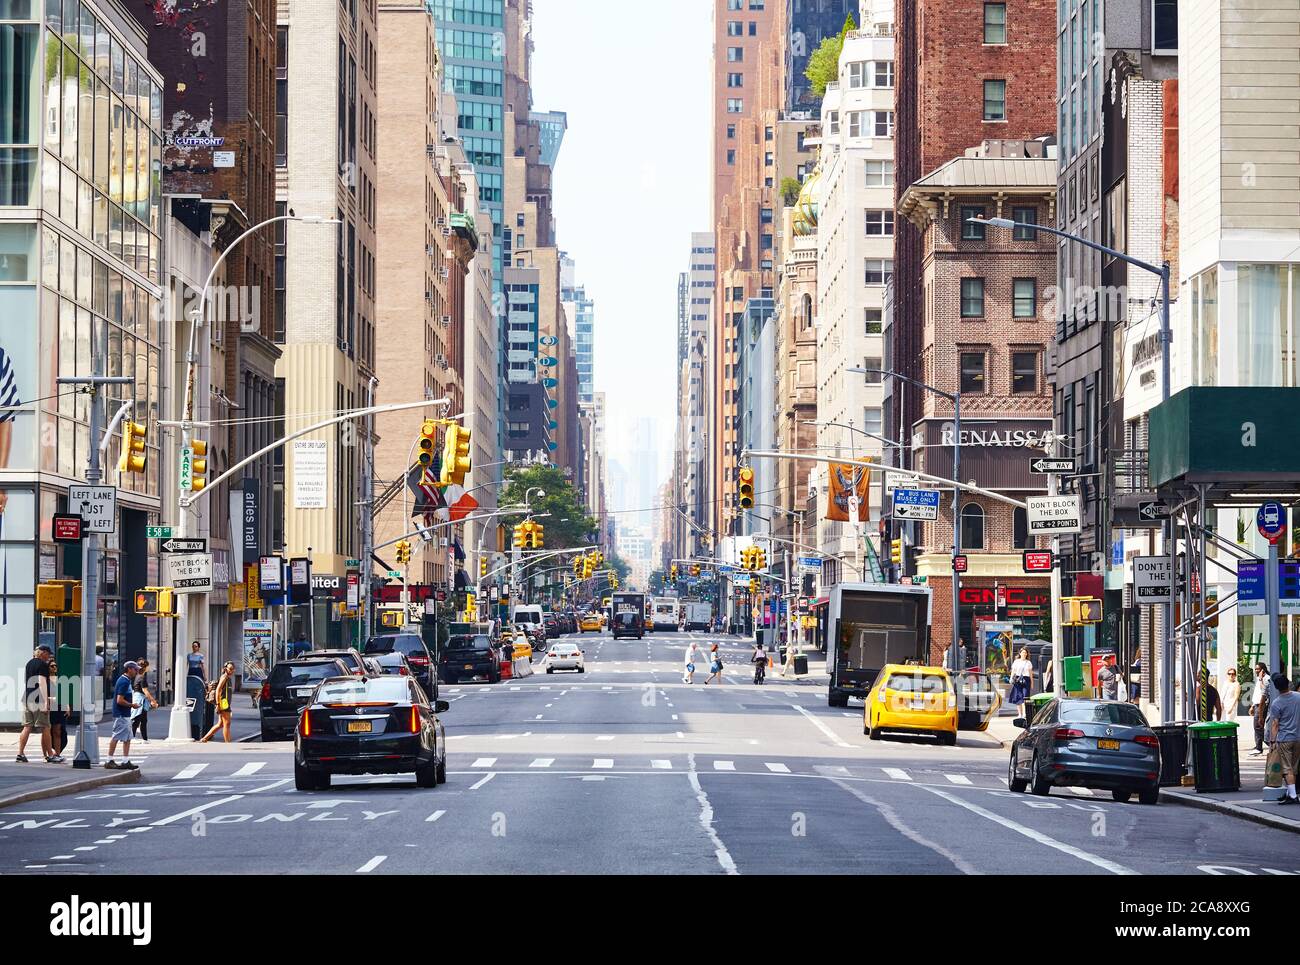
{"x":1226,"y":435}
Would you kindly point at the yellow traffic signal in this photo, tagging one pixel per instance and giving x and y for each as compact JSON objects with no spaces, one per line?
{"x":155,"y":601}
{"x":134,"y":435}
{"x":695,"y":569}
{"x":753,"y":584}
{"x":427,"y":443}
{"x":59,"y":598}
{"x":390,"y":618}
{"x":746,"y":477}
{"x":198,"y":464}
{"x":672,"y":572}
{"x":482,"y":566}
{"x":539,"y":535}
{"x":1080,"y":610}
{"x":896,"y":552}
{"x":403,"y":551}
{"x":455,"y":455}
{"x":760,"y":559}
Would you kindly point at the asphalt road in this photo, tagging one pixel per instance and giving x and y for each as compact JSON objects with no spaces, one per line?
{"x":627,"y":770}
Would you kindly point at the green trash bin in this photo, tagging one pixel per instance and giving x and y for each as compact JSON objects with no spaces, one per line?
{"x":1036,"y":702}
{"x":1214,"y":755}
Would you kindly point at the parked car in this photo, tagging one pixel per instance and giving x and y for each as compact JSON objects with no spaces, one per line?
{"x":351,"y":659}
{"x":550,"y":625}
{"x":410,"y":645}
{"x":288,"y":688}
{"x":1077,"y":742}
{"x":469,"y":656}
{"x":564,"y":656}
{"x":916,"y":700}
{"x":370,"y":725}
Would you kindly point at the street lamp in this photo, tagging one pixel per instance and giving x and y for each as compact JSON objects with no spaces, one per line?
{"x":955,"y":399}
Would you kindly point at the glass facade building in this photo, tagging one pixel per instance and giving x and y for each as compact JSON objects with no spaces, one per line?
{"x":80,"y":147}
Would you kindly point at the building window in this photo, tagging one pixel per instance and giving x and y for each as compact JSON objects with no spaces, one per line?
{"x":1020,"y":537}
{"x":735,"y":55}
{"x":969,"y":230}
{"x":281,"y":261}
{"x":972,"y":372}
{"x":735,"y":105}
{"x":880,"y":223}
{"x":972,"y":298}
{"x":879,"y":271}
{"x":1024,"y":298}
{"x":731,"y":132}
{"x":857,"y":75}
{"x":874,"y":320}
{"x":855,"y":123}
{"x":735,"y":80}
{"x":1024,"y":216}
{"x":972,"y":527}
{"x":731,"y":156}
{"x":1024,"y":373}
{"x":995,"y":23}
{"x":880,"y":174}
{"x":873,"y":365}
{"x":753,"y":28}
{"x":873,"y":422}
{"x":995,"y":100}
{"x":1164,"y":27}
{"x":883,"y":123}
{"x":735,"y":28}
{"x":281,"y":96}
{"x":884,"y":73}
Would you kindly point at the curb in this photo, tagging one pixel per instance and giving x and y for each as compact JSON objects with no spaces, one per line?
{"x":1223,"y":807}
{"x":57,"y":788}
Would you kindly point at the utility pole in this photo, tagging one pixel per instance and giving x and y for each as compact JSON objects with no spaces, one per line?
{"x":88,"y":730}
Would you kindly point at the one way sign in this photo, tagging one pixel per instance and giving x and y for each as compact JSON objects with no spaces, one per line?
{"x":1043,"y":465}
{"x":185,"y":546}
{"x":1152,"y":510}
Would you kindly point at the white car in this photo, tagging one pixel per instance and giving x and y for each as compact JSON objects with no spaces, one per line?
{"x":564,"y":656}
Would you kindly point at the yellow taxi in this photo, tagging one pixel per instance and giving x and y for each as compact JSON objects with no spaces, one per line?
{"x":914,"y":700}
{"x":590,"y":621}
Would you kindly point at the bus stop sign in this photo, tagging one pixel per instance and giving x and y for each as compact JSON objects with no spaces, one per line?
{"x":1271,"y":520}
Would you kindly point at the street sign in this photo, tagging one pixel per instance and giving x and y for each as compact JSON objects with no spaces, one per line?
{"x":1037,"y":561}
{"x":1153,"y":579}
{"x":1054,"y":514}
{"x":186,"y":469}
{"x":352,"y":564}
{"x":916,"y":503}
{"x":959,"y":563}
{"x":1045,"y":466}
{"x":1251,"y":595}
{"x":97,"y":505}
{"x":811,"y":562}
{"x":394,"y":574}
{"x":158,"y":532}
{"x":190,"y":574}
{"x":1271,"y":521}
{"x":197,"y":545}
{"x":1152,"y":510}
{"x":66,"y":529}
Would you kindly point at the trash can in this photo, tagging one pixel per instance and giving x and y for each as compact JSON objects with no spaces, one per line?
{"x":1214,"y":755}
{"x":800,"y":665}
{"x":1173,"y":752}
{"x":1036,"y":703}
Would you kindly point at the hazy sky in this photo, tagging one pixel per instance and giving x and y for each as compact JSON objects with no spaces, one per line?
{"x":631,"y":184}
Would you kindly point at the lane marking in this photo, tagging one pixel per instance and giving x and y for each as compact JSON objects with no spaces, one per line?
{"x":269,"y":787}
{"x":605,"y":737}
{"x":891,"y":817}
{"x":543,"y":762}
{"x":661,"y":765}
{"x":958,"y":778}
{"x":483,"y":780}
{"x":249,"y":769}
{"x":484,"y":762}
{"x":1038,"y":836}
{"x":835,"y":739}
{"x":706,"y":819}
{"x":777,"y":768}
{"x":897,"y":773}
{"x":434,"y":816}
{"x":185,"y":773}
{"x":603,"y":762}
{"x":161,"y":822}
{"x":372,"y":864}
{"x":724,"y":765}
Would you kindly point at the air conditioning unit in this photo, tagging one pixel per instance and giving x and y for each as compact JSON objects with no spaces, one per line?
{"x":429,"y":250}
{"x":441,"y":223}
{"x":428,"y":297}
{"x":430,"y":150}
{"x":446,"y":320}
{"x":443,"y":272}
{"x":441,"y":360}
{"x":446,"y":232}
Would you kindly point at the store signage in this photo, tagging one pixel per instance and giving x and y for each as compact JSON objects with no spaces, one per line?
{"x":310,"y":465}
{"x":1020,"y":596}
{"x":251,"y":519}
{"x":992,"y":436}
{"x":271,"y":574}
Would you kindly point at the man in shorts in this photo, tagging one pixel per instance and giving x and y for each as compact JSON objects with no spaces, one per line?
{"x":123,"y":693}
{"x":36,"y":705}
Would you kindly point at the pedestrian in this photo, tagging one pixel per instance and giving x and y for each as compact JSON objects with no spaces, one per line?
{"x":60,"y":707}
{"x":1022,"y":680}
{"x":1259,"y":707}
{"x":36,"y":705}
{"x":759,"y":659}
{"x":221,"y":694}
{"x":101,"y":676}
{"x":787,"y":668}
{"x":140,"y":721}
{"x":194,"y":661}
{"x":715,"y":664}
{"x":1211,"y":708}
{"x":1135,"y":679}
{"x":1048,"y":676}
{"x":1231,"y":696}
{"x":692,"y":655}
{"x":122,"y":693}
{"x":1108,"y":679}
{"x":961,"y":653}
{"x":1284,"y":732}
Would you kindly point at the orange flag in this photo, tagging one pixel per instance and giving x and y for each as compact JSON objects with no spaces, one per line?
{"x":847,"y":481}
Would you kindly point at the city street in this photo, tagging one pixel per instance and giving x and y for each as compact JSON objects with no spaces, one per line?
{"x":626,"y":770}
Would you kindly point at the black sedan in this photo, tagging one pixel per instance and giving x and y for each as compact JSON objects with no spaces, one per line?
{"x":411,"y":645}
{"x":1102,"y":744}
{"x":369,"y":725}
{"x":469,"y":656}
{"x":288,"y":689}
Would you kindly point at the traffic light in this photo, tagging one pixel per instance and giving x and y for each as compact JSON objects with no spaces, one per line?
{"x":673,"y":572}
{"x":428,"y":443}
{"x":896,"y":552}
{"x":403,"y":551}
{"x":518,"y":535}
{"x":753,"y":584}
{"x":539,"y":535}
{"x":390,"y":618}
{"x":760,"y":559}
{"x":482,"y":567}
{"x":695,"y":569}
{"x":59,"y":598}
{"x":577,"y":567}
{"x":198,"y":464}
{"x":746,"y":477}
{"x":455,"y":455}
{"x":155,"y":601}
{"x":134,"y":435}
{"x":1079,"y":610}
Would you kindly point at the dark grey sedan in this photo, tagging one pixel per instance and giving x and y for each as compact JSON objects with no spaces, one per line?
{"x":1103,"y":744}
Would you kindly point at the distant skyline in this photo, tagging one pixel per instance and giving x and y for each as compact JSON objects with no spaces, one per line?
{"x":631,"y":184}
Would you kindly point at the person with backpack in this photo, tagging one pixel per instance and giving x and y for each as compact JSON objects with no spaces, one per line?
{"x":759,"y":659}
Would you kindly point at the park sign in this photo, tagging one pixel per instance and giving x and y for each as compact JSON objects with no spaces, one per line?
{"x":1225,"y":434}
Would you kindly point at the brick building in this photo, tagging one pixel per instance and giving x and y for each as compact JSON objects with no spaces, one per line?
{"x":986,"y":325}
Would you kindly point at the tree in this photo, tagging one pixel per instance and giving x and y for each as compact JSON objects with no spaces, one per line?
{"x":790,"y":188}
{"x":824,"y":64}
{"x":568,"y":524}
